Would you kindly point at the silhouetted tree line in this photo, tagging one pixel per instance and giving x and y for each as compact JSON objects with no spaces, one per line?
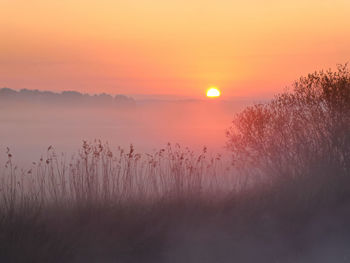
{"x":27,"y":95}
{"x":303,"y":131}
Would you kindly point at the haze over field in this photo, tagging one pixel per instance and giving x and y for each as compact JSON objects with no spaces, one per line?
{"x":33,"y":120}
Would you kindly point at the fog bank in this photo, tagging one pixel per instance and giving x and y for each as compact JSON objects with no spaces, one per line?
{"x":33,"y":120}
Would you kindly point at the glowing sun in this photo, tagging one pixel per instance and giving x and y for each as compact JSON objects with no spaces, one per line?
{"x":213,"y":92}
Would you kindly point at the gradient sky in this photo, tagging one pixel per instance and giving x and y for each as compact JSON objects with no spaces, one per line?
{"x":178,"y":47}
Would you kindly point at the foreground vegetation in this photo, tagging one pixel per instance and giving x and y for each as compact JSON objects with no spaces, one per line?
{"x":284,"y":196}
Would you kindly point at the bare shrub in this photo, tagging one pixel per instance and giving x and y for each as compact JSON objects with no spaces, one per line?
{"x":299,"y":133}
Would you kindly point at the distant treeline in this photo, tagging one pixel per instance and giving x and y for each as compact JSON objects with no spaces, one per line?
{"x":65,"y":97}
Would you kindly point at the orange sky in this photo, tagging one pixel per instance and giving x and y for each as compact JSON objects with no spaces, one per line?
{"x":178,"y":47}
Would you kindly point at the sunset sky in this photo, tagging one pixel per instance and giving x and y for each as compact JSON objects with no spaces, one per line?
{"x":174,"y":47}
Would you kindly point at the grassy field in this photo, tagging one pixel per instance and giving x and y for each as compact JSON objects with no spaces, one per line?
{"x":283,"y":195}
{"x":173,"y":206}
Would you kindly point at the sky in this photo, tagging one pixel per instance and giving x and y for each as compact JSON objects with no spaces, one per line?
{"x":173,"y":47}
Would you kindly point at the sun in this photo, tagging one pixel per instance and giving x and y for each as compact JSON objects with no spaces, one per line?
{"x":213,"y":92}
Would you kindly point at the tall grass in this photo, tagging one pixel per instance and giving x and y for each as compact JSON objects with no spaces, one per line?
{"x":97,"y":174}
{"x":170,"y":206}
